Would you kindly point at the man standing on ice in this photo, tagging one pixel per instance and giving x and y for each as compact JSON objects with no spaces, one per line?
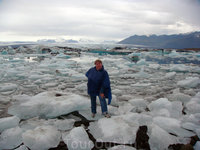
{"x":99,"y":85}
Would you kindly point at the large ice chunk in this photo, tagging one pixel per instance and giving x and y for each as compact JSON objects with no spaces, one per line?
{"x":117,"y":92}
{"x":179,"y":68}
{"x":177,"y":96}
{"x":141,"y":73}
{"x":189,"y":82}
{"x":154,"y":66}
{"x":141,"y":62}
{"x":78,"y":139}
{"x":170,"y":75}
{"x":160,"y":139}
{"x":36,"y":77}
{"x":9,"y":87}
{"x":117,"y":129}
{"x":42,"y":137}
{"x":9,"y":122}
{"x":190,"y":126}
{"x":193,"y":107}
{"x":161,"y":103}
{"x":192,"y":119}
{"x":32,"y":123}
{"x":82,"y":87}
{"x":49,"y":105}
{"x":66,"y":124}
{"x":139,"y":103}
{"x":160,"y":112}
{"x":172,"y":125}
{"x":11,"y":138}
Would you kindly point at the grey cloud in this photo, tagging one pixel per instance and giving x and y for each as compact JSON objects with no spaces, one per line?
{"x":104,"y":19}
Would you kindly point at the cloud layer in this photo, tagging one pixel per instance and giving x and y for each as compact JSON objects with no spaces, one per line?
{"x":96,"y":20}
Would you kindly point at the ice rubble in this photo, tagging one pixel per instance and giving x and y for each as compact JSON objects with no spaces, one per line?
{"x":144,"y":93}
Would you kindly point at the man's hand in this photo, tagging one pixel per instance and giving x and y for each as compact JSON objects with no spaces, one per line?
{"x":102,"y":95}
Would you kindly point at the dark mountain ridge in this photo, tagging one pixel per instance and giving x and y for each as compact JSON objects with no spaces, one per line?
{"x":177,"y":41}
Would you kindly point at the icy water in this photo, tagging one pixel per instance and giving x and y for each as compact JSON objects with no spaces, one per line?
{"x":43,"y":95}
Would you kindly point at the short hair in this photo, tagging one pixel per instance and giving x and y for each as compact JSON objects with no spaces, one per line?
{"x":98,"y":60}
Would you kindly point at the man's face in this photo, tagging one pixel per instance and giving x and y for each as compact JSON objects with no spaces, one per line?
{"x":98,"y":65}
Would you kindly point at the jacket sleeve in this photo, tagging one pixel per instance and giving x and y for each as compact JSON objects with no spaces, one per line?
{"x":102,"y":89}
{"x":106,"y":80}
{"x":87,"y":73}
{"x":106,"y":85}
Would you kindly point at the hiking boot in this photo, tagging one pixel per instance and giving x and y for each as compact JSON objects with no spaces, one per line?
{"x":107,"y":115}
{"x":93,"y":115}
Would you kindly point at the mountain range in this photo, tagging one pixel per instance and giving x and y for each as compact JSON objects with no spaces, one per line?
{"x":176,"y":41}
{"x":56,"y":41}
{"x":82,"y":40}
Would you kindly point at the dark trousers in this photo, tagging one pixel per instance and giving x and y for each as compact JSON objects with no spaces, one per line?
{"x":94,"y":106}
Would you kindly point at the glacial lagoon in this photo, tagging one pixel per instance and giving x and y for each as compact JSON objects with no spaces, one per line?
{"x":43,"y":97}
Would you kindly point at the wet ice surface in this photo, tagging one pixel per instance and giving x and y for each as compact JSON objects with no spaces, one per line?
{"x":159,"y":90}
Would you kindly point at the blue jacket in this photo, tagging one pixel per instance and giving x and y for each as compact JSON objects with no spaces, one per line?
{"x":99,"y":82}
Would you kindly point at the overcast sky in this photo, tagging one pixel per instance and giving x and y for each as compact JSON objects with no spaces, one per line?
{"x":30,"y":20}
